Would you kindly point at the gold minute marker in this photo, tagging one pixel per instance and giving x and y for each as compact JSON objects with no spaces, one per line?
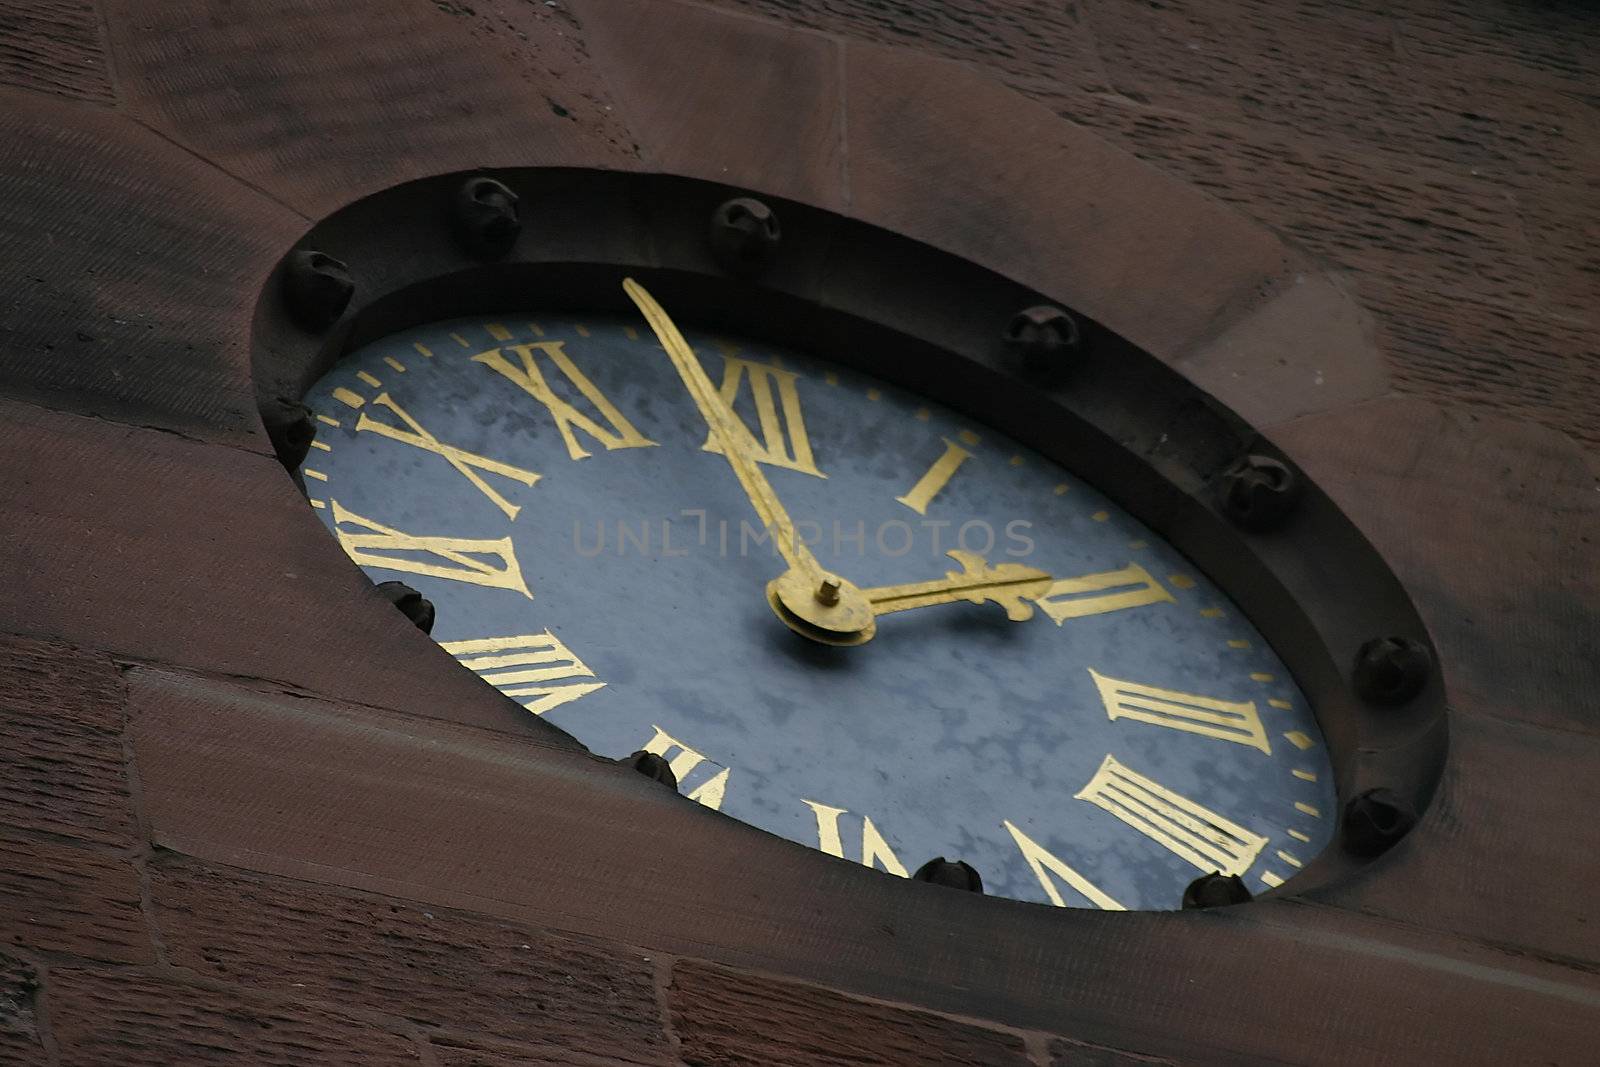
{"x":322,"y":446}
{"x":395,"y":363}
{"x":462,"y":341}
{"x":327,"y":421}
{"x":369,"y":379}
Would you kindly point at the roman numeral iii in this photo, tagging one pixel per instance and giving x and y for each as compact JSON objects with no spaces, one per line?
{"x":458,"y":559}
{"x":1096,"y":594}
{"x":1222,"y":719}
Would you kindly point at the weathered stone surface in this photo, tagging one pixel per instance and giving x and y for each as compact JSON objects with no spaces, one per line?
{"x":1442,"y":152}
{"x":455,"y":1051}
{"x":435,"y":967}
{"x":163,"y":530}
{"x":61,"y":758}
{"x":61,"y":898}
{"x":727,"y":1017}
{"x":732,"y":100}
{"x":1067,"y":1053}
{"x":54,"y":46}
{"x":1493,"y":527}
{"x":128,"y":1018}
{"x":20,"y":1045}
{"x":320,"y":105}
{"x":125,"y":262}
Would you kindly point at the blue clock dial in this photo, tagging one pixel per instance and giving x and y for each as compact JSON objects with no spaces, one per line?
{"x":1045,"y":689}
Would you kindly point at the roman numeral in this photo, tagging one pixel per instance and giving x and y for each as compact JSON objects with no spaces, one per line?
{"x":463,"y":461}
{"x":1046,"y":863}
{"x":1096,"y":594}
{"x":1206,"y":716}
{"x":458,"y":559}
{"x":875,"y":851}
{"x":1189,"y":831}
{"x":936,"y":478}
{"x":528,"y":377}
{"x":783,"y":440}
{"x":684,"y":761}
{"x":526,"y":667}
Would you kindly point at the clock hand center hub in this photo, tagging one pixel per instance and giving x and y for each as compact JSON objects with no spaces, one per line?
{"x":827,"y":609}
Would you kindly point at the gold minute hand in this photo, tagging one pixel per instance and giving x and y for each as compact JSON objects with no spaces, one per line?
{"x":724,"y":427}
{"x":1011,"y":585}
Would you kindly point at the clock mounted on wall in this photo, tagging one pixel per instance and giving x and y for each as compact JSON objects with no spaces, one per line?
{"x":891,"y":562}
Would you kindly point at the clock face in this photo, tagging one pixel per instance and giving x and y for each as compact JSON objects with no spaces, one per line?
{"x":1050,"y":693}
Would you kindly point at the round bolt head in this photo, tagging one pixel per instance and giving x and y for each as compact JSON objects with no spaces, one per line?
{"x":1391,"y":670}
{"x":1259,"y":492}
{"x":316,"y":289}
{"x":1375,"y":820}
{"x":1215,"y":890}
{"x":290,"y":429}
{"x":652,"y":766}
{"x":412,"y":604}
{"x":953,"y":873}
{"x":744,"y":235}
{"x":487,"y":222}
{"x":1045,"y":340}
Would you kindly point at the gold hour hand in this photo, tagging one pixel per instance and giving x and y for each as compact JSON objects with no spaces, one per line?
{"x":1011,"y":585}
{"x":726,"y":430}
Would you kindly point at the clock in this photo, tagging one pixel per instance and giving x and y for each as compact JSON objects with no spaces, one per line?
{"x":836,"y":610}
{"x":891,"y":560}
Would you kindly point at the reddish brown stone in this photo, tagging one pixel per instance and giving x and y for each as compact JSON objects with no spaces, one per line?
{"x":732,"y":100}
{"x":435,"y":967}
{"x":61,"y":898}
{"x":1493,"y":528}
{"x":54,"y":46}
{"x":727,"y":1017}
{"x":128,"y":1018}
{"x":1065,"y":1053}
{"x":1489,"y":855}
{"x":61,"y":759}
{"x":20,"y":1045}
{"x":321,"y":105}
{"x":1268,"y":367}
{"x":208,"y":557}
{"x":1153,"y":259}
{"x":454,"y":1051}
{"x":160,"y":344}
{"x":1501,"y":357}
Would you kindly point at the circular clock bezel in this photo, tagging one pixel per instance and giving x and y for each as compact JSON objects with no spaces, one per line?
{"x":932,"y":323}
